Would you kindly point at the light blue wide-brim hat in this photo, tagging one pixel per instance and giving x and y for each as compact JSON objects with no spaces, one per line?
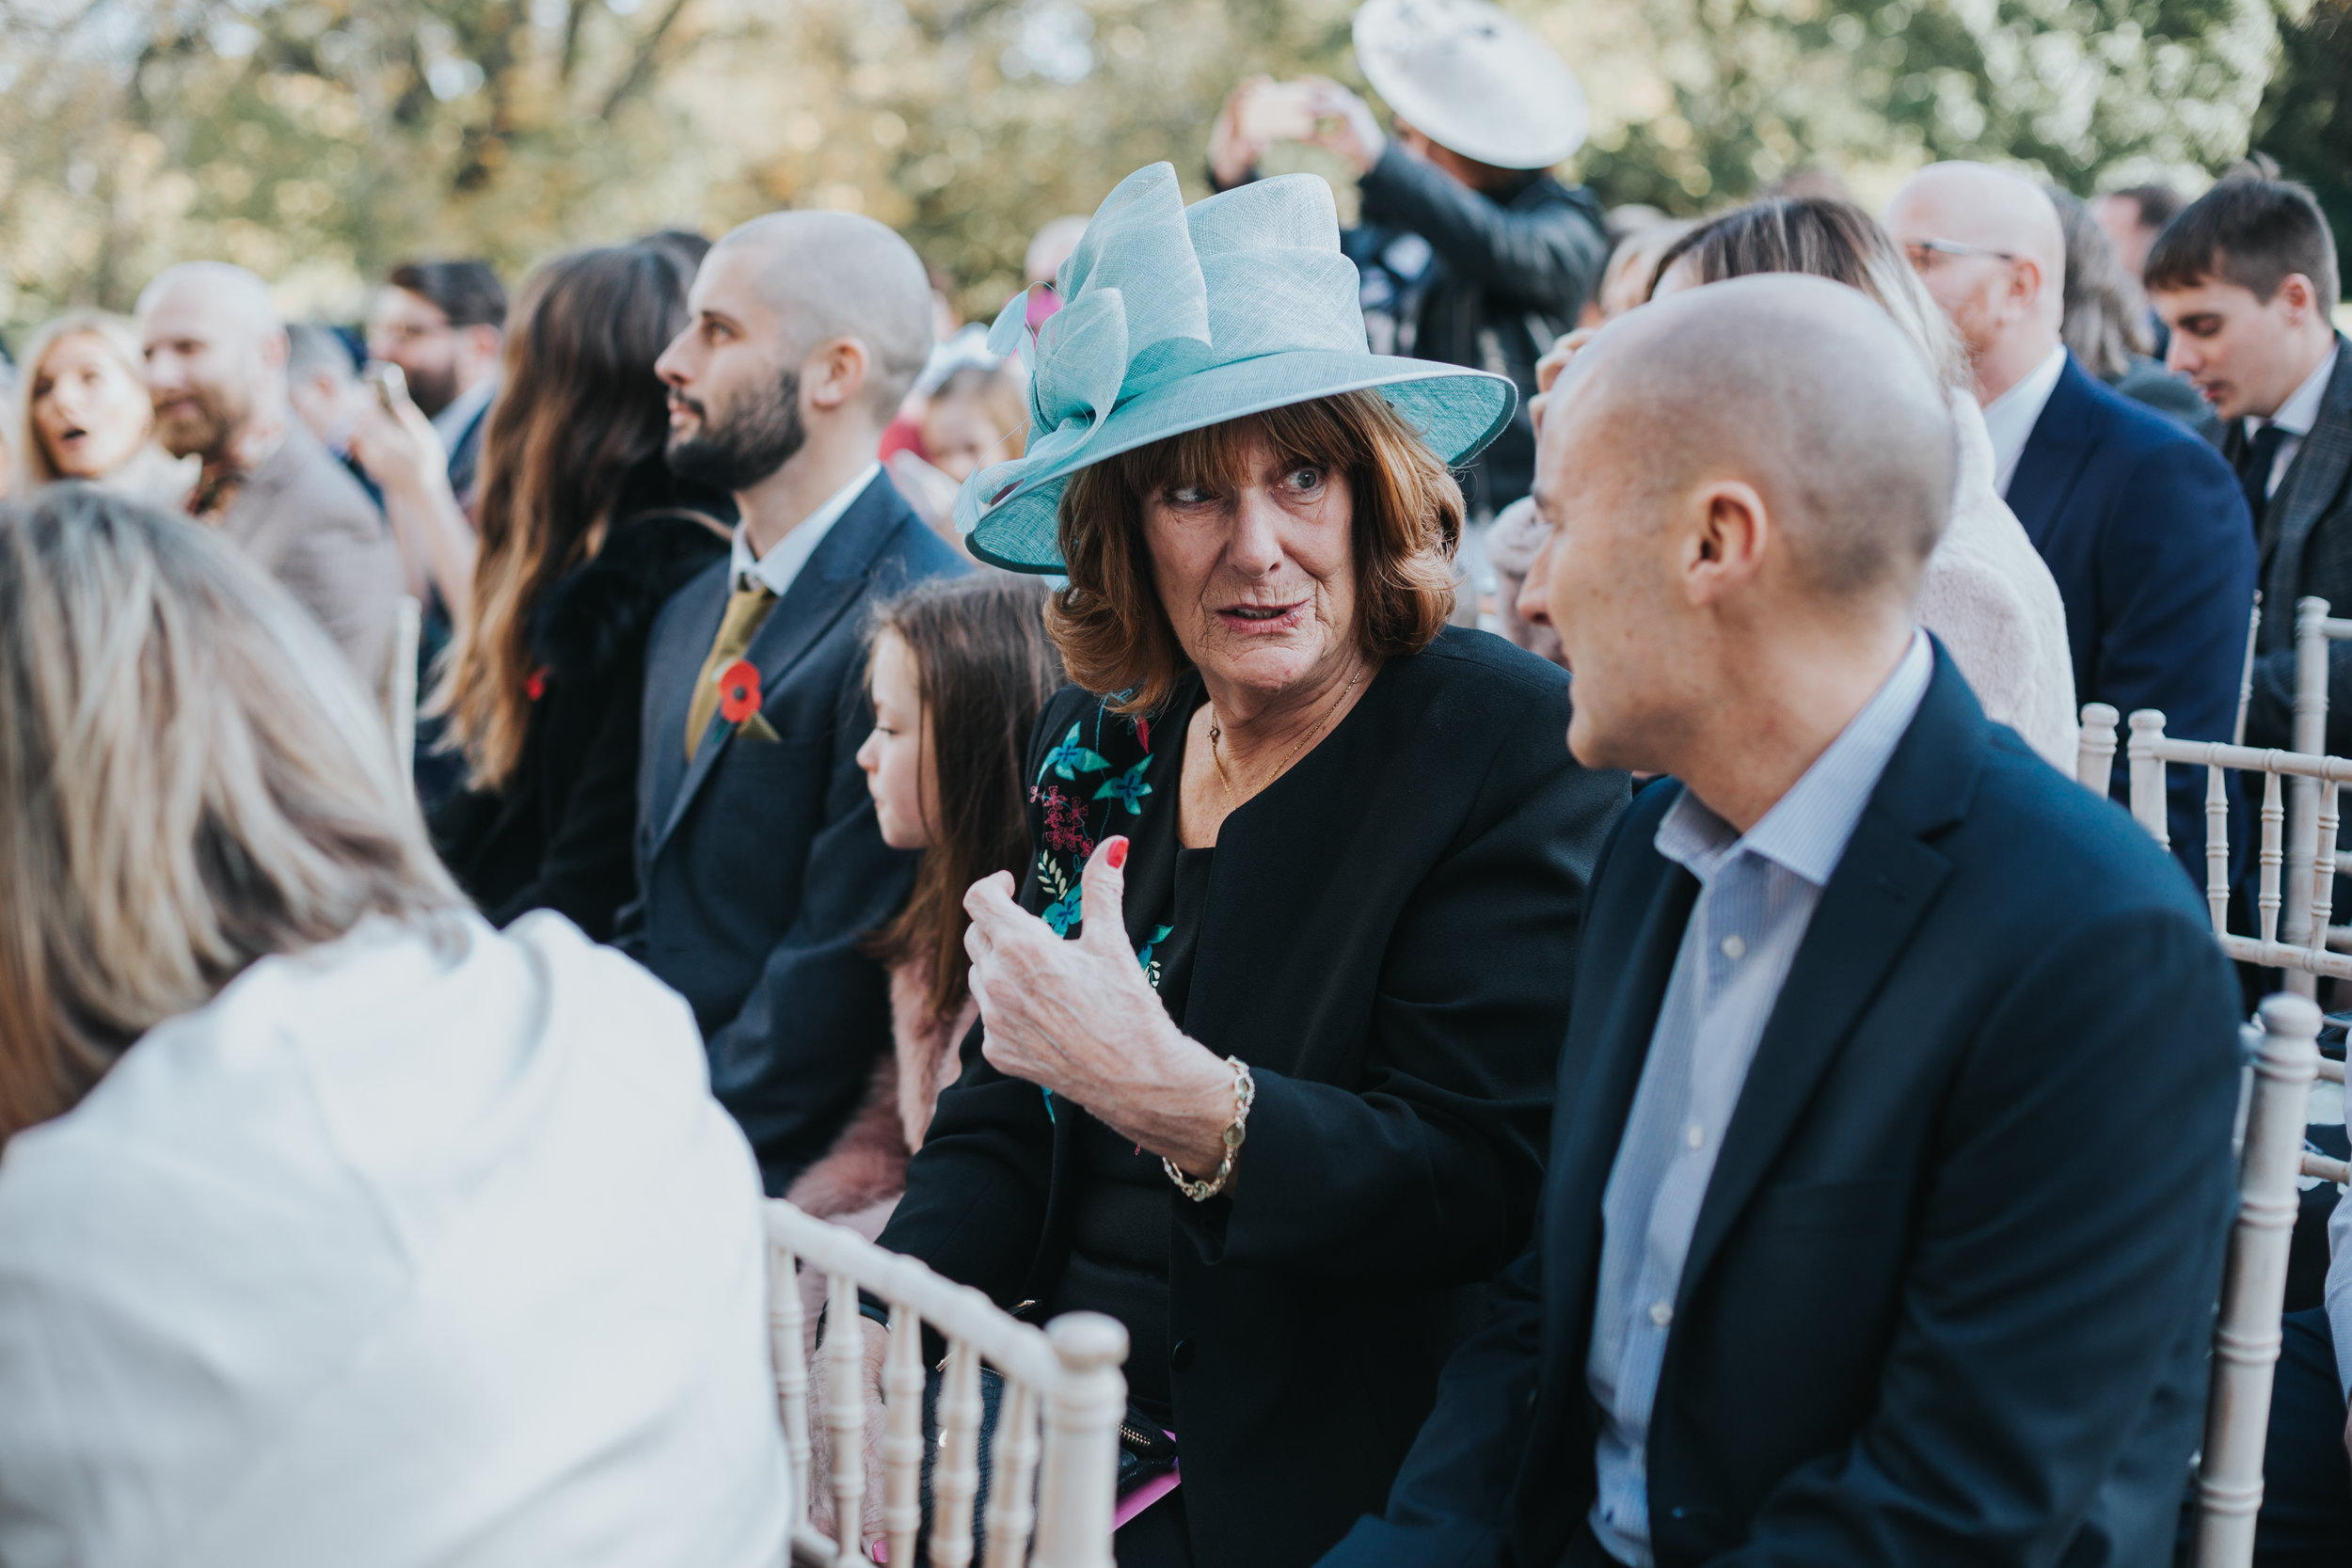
{"x":1176,"y":318}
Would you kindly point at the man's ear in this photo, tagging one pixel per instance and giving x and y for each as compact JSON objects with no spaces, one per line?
{"x":835,"y":375}
{"x":1724,"y":551}
{"x":2297,"y":293}
{"x":484,"y":340}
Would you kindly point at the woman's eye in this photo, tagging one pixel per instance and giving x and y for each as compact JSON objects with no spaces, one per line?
{"x":1304,"y":479}
{"x":1190,"y":494}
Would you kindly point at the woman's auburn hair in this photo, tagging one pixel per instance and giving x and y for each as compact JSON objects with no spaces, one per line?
{"x":1115,"y":635}
{"x":983,"y":670}
{"x":191,"y":778}
{"x":578,"y":406}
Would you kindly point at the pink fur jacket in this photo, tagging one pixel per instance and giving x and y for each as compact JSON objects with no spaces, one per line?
{"x":858,"y":1181}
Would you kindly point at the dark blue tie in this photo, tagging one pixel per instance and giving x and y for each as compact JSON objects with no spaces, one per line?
{"x":2254,"y":469}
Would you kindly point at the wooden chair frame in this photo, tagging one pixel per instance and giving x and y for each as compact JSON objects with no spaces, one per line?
{"x":1064,"y":1377}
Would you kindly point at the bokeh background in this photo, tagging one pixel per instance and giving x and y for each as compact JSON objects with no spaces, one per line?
{"x":316,"y":140}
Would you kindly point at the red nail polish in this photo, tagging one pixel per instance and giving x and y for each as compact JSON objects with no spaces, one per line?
{"x":1115,"y":852}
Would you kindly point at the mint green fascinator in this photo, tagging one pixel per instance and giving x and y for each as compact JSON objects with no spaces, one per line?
{"x":1176,"y":318}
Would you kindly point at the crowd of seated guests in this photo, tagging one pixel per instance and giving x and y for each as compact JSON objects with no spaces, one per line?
{"x":1192,"y":937}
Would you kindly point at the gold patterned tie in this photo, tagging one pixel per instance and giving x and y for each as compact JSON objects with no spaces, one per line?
{"x":746,"y":609}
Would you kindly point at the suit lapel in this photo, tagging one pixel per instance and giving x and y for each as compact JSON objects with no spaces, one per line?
{"x":1589,"y":1115}
{"x":1881,"y":890}
{"x":676,"y":662}
{"x":829,"y":583}
{"x":2316,"y":476}
{"x":2054,"y":459}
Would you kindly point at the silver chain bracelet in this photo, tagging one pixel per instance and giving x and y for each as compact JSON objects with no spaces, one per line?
{"x":1244,"y":1095}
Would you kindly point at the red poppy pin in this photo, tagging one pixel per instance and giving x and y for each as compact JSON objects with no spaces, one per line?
{"x":739,"y":700}
{"x":536,"y":687}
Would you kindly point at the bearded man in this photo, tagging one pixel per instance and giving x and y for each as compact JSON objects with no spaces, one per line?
{"x":761,"y":865}
{"x":217,"y":369}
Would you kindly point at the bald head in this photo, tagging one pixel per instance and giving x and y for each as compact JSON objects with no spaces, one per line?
{"x":1801,"y":389}
{"x":216,"y":355}
{"x":837,"y":274}
{"x":1989,"y":245}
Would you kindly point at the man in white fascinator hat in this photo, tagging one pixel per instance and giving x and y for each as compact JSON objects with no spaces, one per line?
{"x":1471,"y":251}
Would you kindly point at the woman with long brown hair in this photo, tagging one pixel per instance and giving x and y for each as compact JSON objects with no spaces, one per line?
{"x":584,"y":533}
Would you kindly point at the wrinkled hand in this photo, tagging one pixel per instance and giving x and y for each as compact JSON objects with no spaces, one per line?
{"x":821,"y":1440}
{"x":1232,"y":155}
{"x":400,"y":451}
{"x":1346,"y":125}
{"x":1080,"y":1018}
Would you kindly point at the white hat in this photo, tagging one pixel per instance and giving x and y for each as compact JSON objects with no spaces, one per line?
{"x":1473,"y":79}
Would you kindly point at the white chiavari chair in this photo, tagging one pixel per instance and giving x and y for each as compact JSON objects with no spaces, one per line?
{"x":1054,"y":1465}
{"x":399,"y":688}
{"x":2276,"y":1102}
{"x":2229,"y":1485}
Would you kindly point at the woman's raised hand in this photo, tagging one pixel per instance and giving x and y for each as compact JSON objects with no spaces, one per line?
{"x":1080,"y":1018}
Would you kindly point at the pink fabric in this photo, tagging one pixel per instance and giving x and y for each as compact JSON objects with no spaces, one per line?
{"x":1145,"y":1496}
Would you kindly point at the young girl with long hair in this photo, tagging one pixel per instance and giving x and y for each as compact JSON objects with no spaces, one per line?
{"x":960,"y":669}
{"x":584,"y":533}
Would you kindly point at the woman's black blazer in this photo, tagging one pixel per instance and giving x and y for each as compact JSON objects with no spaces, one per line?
{"x":560,"y":834}
{"x":1389,"y":940}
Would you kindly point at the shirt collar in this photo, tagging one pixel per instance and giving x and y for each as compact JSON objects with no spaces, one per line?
{"x":2301,"y":411}
{"x":2010,"y":419}
{"x":1807,"y":829}
{"x":775,"y":570}
{"x":451,"y":423}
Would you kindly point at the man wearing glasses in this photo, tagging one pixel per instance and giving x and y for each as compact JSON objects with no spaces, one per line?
{"x":2141,"y":523}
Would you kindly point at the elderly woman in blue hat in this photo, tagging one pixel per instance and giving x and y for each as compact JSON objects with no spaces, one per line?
{"x":1269,"y":1029}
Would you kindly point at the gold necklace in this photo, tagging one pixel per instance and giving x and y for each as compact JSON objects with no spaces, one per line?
{"x":1217,"y":735}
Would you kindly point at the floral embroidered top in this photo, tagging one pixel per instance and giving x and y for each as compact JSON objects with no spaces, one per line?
{"x":1106,"y":775}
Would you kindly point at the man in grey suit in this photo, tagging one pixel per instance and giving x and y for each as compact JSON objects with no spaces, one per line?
{"x":2245,"y":279}
{"x":217,"y":369}
{"x":762,"y":870}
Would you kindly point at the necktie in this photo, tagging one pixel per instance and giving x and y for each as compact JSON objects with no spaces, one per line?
{"x":2253,"y":468}
{"x":746,"y":609}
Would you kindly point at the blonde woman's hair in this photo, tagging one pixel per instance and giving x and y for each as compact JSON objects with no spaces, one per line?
{"x":190,"y":780}
{"x":33,"y":467}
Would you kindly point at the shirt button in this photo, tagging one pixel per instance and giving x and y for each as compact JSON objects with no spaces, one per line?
{"x":1694,"y":1135}
{"x":1661,"y":1313}
{"x":1735,"y":948}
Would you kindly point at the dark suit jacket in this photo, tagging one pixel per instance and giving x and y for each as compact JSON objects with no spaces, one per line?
{"x":2306,"y":548}
{"x":1389,"y":941}
{"x":760,"y":868}
{"x":306,"y":522}
{"x":560,"y":833}
{"x":1950,"y":1292}
{"x":2145,"y":529}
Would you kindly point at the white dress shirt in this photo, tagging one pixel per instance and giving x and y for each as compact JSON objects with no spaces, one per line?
{"x":459,"y":412}
{"x":2010,"y":419}
{"x":1758,"y":891}
{"x":2294,"y":419}
{"x":775,"y":570}
{"x":399,"y":1251}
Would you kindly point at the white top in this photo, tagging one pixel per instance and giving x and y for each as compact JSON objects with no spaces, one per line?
{"x":390,"y":1256}
{"x":1758,"y":891}
{"x":2010,"y":419}
{"x":1989,"y":597}
{"x":2294,"y":419}
{"x":775,"y":570}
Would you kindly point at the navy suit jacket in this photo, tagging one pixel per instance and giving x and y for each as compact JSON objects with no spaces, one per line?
{"x":760,"y":866}
{"x":2144,"y":527}
{"x":1949,"y":1291}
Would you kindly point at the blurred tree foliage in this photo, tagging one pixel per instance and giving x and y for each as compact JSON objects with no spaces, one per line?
{"x":317,"y":141}
{"x":2306,"y":117}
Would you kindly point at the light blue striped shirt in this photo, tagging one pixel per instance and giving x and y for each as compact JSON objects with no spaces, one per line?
{"x":1756,"y":897}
